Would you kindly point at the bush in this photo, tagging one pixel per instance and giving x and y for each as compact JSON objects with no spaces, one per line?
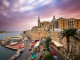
{"x":48,"y":57}
{"x":48,"y":40}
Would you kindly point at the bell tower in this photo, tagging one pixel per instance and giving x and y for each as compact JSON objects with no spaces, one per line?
{"x":38,"y":21}
{"x":53,"y":17}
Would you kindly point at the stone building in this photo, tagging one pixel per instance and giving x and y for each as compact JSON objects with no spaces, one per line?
{"x":43,"y":26}
{"x":46,"y":26}
{"x":53,"y":28}
{"x":69,"y":23}
{"x":77,"y":23}
{"x":57,"y":24}
{"x":34,"y":28}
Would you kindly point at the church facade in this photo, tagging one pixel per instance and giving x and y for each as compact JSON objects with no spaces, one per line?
{"x":46,"y":26}
{"x":57,"y":24}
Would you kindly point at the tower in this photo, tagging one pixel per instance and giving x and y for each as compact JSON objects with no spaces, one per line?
{"x":38,"y":21}
{"x":53,"y":23}
{"x":53,"y":17}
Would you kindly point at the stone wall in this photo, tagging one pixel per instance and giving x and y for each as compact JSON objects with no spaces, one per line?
{"x":74,"y":44}
{"x":43,"y":34}
{"x":37,"y":34}
{"x":54,"y":35}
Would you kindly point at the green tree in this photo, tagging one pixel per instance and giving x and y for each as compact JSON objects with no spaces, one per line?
{"x":48,"y":40}
{"x":48,"y":57}
{"x":68,"y":33}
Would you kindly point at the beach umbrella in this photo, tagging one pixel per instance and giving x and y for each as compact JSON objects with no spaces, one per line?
{"x":33,"y":56}
{"x":53,"y":53}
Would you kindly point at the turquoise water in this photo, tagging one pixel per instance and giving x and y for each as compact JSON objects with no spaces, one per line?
{"x":10,"y":34}
{"x":6,"y":53}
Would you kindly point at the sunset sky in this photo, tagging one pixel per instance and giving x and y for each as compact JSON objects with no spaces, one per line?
{"x":19,"y":15}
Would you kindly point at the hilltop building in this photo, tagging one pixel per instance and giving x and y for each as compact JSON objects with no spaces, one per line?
{"x":69,"y":23}
{"x":52,"y":29}
{"x":57,"y":24}
{"x":46,"y":26}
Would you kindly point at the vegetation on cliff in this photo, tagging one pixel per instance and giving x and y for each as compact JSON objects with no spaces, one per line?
{"x":48,"y":57}
{"x":68,"y":33}
{"x":48,"y":40}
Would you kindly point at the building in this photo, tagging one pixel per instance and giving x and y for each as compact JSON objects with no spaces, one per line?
{"x":77,"y":23}
{"x":48,"y":29}
{"x":69,"y":23}
{"x":34,"y":28}
{"x":57,"y":24}
{"x":46,"y":26}
{"x":43,"y":26}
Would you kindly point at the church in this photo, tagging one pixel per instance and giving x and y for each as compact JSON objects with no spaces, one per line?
{"x":46,"y":26}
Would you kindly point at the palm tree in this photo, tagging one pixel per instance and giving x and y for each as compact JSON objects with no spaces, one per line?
{"x":68,"y":33}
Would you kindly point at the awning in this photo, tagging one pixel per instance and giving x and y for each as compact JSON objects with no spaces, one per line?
{"x":36,"y":40}
{"x":32,"y":42}
{"x":57,"y":44}
{"x":13,"y":43}
{"x":37,"y":44}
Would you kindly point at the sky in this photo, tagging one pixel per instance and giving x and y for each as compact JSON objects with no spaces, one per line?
{"x":20,"y":15}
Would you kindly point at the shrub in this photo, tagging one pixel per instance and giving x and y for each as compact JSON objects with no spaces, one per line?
{"x":48,"y":57}
{"x":48,"y":40}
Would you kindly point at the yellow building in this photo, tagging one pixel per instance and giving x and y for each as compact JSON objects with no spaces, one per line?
{"x":63,"y":24}
{"x":77,"y":23}
{"x":69,"y":23}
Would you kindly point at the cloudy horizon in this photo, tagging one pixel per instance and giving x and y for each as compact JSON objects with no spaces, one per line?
{"x":20,"y":15}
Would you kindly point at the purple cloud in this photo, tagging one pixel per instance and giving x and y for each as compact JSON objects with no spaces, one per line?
{"x":22,"y":14}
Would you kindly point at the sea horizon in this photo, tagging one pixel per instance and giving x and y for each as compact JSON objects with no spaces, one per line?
{"x":9,"y":34}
